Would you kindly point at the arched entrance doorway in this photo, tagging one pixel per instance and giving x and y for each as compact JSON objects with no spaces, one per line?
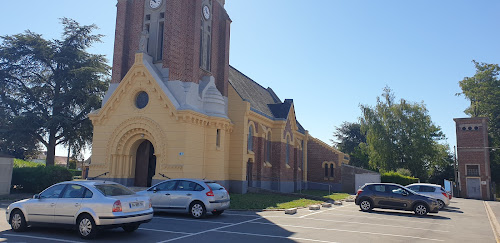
{"x":145,"y":164}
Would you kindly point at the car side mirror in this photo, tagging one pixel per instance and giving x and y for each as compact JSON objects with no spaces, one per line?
{"x":155,"y":189}
{"x":36,"y":196}
{"x":405,"y":193}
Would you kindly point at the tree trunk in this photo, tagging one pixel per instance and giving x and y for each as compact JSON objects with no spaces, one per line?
{"x":51,"y":149}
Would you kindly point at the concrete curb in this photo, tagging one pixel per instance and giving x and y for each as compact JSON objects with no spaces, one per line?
{"x":495,"y":226}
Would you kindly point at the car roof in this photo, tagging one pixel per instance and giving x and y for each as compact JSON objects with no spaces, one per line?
{"x":88,"y":182}
{"x":382,"y":183}
{"x":425,"y":184}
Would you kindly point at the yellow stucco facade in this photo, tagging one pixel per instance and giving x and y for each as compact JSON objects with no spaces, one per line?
{"x":184,"y":141}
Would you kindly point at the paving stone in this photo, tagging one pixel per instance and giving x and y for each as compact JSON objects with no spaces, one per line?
{"x":314,"y":207}
{"x":326,"y":205}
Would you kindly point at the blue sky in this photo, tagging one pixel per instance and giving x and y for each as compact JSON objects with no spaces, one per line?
{"x":328,"y":56}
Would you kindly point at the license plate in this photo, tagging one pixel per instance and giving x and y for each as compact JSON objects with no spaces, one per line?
{"x":136,"y":204}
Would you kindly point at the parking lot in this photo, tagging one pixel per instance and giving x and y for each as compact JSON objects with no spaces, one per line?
{"x":464,"y":221}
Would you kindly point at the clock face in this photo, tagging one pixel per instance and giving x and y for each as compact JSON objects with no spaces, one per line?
{"x":206,"y":12}
{"x":154,"y":3}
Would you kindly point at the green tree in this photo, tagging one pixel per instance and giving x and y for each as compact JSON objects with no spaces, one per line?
{"x":349,"y":139}
{"x":49,"y":86}
{"x":400,"y":135}
{"x":483,"y":92}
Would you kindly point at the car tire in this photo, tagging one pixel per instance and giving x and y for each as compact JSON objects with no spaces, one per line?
{"x":217,"y":213}
{"x":130,"y":228}
{"x":86,"y":227}
{"x":441,"y":204}
{"x":421,"y":209}
{"x":366,"y":205}
{"x":17,"y":221}
{"x":197,"y":210}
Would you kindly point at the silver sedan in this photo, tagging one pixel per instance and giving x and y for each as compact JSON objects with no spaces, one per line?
{"x":87,"y":205}
{"x":196,"y":197}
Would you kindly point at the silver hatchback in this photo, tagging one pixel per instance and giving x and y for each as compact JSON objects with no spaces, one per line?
{"x":86,"y":205}
{"x":196,"y":197}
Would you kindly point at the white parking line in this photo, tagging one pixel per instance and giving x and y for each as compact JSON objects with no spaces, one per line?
{"x":350,"y":231}
{"x":350,"y":222}
{"x":202,"y":232}
{"x":274,"y":236}
{"x":303,"y":216}
{"x":165,"y":231}
{"x":40,"y":238}
{"x":191,"y":220}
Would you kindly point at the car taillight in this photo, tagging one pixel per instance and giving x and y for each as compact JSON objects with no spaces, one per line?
{"x":150,"y":203}
{"x":450,"y":196}
{"x":117,"y":206}
{"x":359,"y":191}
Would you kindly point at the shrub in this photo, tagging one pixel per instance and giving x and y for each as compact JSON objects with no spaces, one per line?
{"x":394,"y":177}
{"x":19,"y":163}
{"x":75,"y":172}
{"x":35,"y":179}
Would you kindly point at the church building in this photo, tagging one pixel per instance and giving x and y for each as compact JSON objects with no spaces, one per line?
{"x":175,"y":108}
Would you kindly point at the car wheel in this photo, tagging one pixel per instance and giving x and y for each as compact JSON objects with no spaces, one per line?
{"x":17,"y":221}
{"x":86,"y":227}
{"x":366,"y":205}
{"x":218,"y":213}
{"x":130,"y":228}
{"x":441,"y":204}
{"x":197,"y":210}
{"x":420,"y":209}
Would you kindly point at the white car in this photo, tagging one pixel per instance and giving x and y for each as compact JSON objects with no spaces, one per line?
{"x":433,"y":190}
{"x":86,"y":205}
{"x":196,"y":197}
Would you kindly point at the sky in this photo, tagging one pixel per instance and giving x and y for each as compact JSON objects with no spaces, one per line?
{"x":328,"y":56}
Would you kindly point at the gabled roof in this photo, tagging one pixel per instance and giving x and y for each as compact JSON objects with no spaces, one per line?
{"x":263,"y":101}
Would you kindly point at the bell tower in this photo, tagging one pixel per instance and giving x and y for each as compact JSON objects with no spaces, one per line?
{"x":186,"y":40}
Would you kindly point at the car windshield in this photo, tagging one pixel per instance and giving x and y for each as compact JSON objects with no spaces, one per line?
{"x":214,"y":186}
{"x":113,"y":190}
{"x":410,"y":190}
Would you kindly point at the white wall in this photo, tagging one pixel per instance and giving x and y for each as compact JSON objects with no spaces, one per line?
{"x":361,"y":179}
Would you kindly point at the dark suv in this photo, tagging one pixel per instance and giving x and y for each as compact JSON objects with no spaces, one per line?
{"x":394,"y":196}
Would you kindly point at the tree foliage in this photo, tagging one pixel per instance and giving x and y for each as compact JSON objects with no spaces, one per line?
{"x":48,"y":87}
{"x":483,"y":92}
{"x":401,"y":135}
{"x":349,"y":139}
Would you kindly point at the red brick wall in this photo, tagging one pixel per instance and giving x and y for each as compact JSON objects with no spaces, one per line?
{"x":472,"y":150}
{"x":182,"y":41}
{"x":316,"y":155}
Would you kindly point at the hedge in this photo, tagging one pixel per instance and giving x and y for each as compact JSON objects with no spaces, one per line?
{"x":36,"y":179}
{"x":75,"y":172}
{"x":394,"y":177}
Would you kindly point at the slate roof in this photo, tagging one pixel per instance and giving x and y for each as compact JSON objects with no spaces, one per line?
{"x":263,"y":101}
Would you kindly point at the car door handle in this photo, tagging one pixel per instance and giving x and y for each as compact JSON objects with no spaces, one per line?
{"x":77,"y":204}
{"x":189,"y":194}
{"x":53,"y":204}
{"x":167,"y":194}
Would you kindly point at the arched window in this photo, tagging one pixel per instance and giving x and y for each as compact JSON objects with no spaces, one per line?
{"x":332,"y":171}
{"x":250,"y":138}
{"x":268,"y":147}
{"x":326,"y":170}
{"x":287,"y":150}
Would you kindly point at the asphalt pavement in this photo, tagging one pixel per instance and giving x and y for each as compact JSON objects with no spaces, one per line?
{"x":463,"y":221}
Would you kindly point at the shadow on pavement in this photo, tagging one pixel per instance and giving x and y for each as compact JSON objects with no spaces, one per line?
{"x":409,"y":215}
